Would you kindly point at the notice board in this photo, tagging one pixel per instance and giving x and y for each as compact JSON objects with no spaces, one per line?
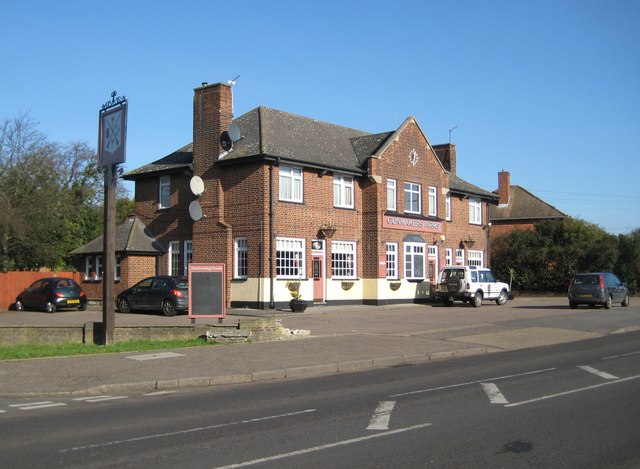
{"x":207,"y":291}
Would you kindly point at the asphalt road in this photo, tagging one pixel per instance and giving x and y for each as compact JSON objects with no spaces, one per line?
{"x":566,"y":405}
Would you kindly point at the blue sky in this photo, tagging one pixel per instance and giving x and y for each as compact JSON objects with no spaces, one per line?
{"x":547,"y":90}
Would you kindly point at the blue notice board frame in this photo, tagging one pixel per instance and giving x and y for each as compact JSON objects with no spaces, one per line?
{"x":207,"y":297}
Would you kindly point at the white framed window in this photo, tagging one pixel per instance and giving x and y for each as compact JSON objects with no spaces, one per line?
{"x":392,"y":260}
{"x":433,"y":202}
{"x":164,"y":193}
{"x":412,"y":197}
{"x":447,"y":200}
{"x":433,"y":260}
{"x":343,"y":259}
{"x":290,"y":184}
{"x":342,"y":191}
{"x":414,"y":261}
{"x":459,"y":256}
{"x":88,"y":267}
{"x":188,"y":255}
{"x":476,"y":258}
{"x":240,"y":247}
{"x":449,"y":256}
{"x":117,"y":271}
{"x":475,"y":212}
{"x":174,"y":258}
{"x":98,"y":275}
{"x":391,"y":195}
{"x":290,"y":259}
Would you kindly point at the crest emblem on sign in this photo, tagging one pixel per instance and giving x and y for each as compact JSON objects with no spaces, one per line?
{"x":113,"y":132}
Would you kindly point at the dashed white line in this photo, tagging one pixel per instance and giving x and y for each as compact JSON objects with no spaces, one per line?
{"x":494,"y":394}
{"x":155,"y":356}
{"x":100,"y":398}
{"x":601,"y":374}
{"x":37,"y":405}
{"x":382,"y":415}
{"x":621,"y":355}
{"x":159,"y":393}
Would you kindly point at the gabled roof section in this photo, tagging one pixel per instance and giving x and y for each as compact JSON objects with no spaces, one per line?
{"x":132,"y":237}
{"x":179,"y":159}
{"x":277,"y":134}
{"x":523,"y":205}
{"x":460,"y":186}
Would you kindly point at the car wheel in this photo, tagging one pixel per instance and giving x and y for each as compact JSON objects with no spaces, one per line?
{"x":168,"y":309}
{"x":123,"y":305}
{"x":19,"y":305}
{"x":607,"y":304}
{"x":50,"y":307}
{"x":82,"y":307}
{"x":477,"y":300}
{"x":502,"y":298}
{"x":625,"y":302}
{"x":573,"y":305}
{"x":447,"y":302}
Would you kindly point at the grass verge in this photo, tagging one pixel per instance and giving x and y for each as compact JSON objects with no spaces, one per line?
{"x":18,"y":352}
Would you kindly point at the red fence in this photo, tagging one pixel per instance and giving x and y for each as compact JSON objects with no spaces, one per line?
{"x":12,"y":283}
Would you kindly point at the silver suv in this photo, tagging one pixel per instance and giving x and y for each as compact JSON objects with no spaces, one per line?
{"x":470,"y":284}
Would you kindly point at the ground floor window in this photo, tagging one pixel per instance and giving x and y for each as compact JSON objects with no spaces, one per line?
{"x":240,"y":257}
{"x":459,"y":256}
{"x":392,"y":260}
{"x":449,"y":252}
{"x":476,"y":258}
{"x":188,"y":255}
{"x":174,"y":258}
{"x":343,"y":259}
{"x":290,"y":259}
{"x":414,"y":261}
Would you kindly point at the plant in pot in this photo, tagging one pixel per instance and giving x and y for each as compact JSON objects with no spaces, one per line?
{"x":297,"y":304}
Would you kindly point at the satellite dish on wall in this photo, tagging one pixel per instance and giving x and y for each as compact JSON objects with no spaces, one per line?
{"x":225,"y":141}
{"x":197,"y":185}
{"x":234,"y":132}
{"x":195,"y":210}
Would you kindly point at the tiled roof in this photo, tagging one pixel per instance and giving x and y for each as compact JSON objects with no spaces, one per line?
{"x":523,"y":205}
{"x":132,"y":237}
{"x":460,"y":186}
{"x":179,"y":159}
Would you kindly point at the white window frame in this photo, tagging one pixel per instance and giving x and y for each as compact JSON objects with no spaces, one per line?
{"x":392,"y":196}
{"x":449,"y":256}
{"x":164,"y":192}
{"x":414,"y":252}
{"x":459,"y":256}
{"x":117,"y":271}
{"x":343,"y":260}
{"x":290,"y":184}
{"x":240,"y":257}
{"x":411,"y":188}
{"x":98,"y":266}
{"x":173,"y":258}
{"x":392,"y":261}
{"x":475,"y":211}
{"x":343,"y":192}
{"x":475,"y":258}
{"x":433,"y":202}
{"x":448,"y":206}
{"x":188,"y":255}
{"x":290,"y":258}
{"x":88,"y":266}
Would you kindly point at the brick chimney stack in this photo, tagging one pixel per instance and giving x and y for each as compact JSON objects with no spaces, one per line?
{"x":446,"y":153}
{"x":504,"y":187}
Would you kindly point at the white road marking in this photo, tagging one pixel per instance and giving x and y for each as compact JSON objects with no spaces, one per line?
{"x":155,"y":356}
{"x":88,"y":398}
{"x":494,"y":394}
{"x":573,"y":391}
{"x":2,"y":411}
{"x":472,"y":382}
{"x":159,"y":393}
{"x":602,"y":374}
{"x":37,"y":405}
{"x":382,"y":415}
{"x":183,"y":432}
{"x":621,"y":355}
{"x":322,"y":447}
{"x":106,"y":398}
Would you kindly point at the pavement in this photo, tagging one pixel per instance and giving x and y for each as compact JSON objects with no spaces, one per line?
{"x":324,"y":340}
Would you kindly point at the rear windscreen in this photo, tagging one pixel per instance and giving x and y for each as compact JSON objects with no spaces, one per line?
{"x":586,"y":280}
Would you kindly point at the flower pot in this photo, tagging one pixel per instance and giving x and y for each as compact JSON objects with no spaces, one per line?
{"x":298,"y":306}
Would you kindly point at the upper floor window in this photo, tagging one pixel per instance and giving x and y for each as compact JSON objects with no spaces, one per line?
{"x":290,"y":184}
{"x":164,"y":195}
{"x":475,"y":212}
{"x":240,"y":258}
{"x":447,"y":200}
{"x":343,"y":259}
{"x":391,"y":195}
{"x":433,"y":202}
{"x":412,"y":197}
{"x":290,"y":260}
{"x":343,"y":191}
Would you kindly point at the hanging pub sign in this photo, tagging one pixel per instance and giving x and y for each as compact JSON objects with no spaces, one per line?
{"x":112,"y":136}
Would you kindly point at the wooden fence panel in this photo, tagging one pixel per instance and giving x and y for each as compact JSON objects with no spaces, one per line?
{"x":12,"y":283}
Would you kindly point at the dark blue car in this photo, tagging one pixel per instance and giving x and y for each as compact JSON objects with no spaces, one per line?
{"x":52,"y":294}
{"x":161,"y":293}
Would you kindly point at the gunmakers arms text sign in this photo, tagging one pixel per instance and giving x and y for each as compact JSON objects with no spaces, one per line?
{"x":413,"y":224}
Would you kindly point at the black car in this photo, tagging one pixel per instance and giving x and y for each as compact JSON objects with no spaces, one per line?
{"x":597,"y":288}
{"x":161,"y":293}
{"x":52,"y":294}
